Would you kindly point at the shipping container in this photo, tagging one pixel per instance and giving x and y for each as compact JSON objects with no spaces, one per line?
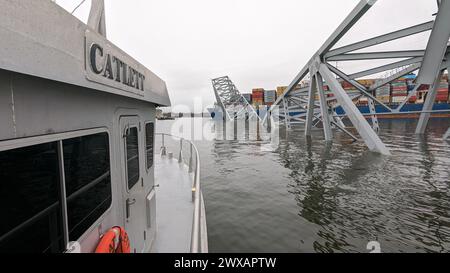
{"x":346,"y":85}
{"x":384,"y":99}
{"x":442,"y":95}
{"x":270,"y":96}
{"x":399,"y":94}
{"x":367,"y":82}
{"x":363,"y":101}
{"x":399,"y":87}
{"x":413,"y":99}
{"x":280,"y":90}
{"x":258,"y":94}
{"x":424,"y":87}
{"x":411,"y":76}
{"x":403,"y":85}
{"x":398,"y":99}
{"x":402,"y":79}
{"x":442,"y":98}
{"x":381,"y":92}
{"x":399,"y":91}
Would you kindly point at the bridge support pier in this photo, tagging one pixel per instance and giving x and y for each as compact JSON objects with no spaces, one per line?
{"x":324,"y":109}
{"x":428,"y":106}
{"x":375,"y":124}
{"x":287,"y":117}
{"x":369,"y":136}
{"x":447,"y":135}
{"x":310,"y":107}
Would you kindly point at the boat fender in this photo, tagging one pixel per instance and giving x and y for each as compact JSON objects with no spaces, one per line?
{"x":114,"y":241}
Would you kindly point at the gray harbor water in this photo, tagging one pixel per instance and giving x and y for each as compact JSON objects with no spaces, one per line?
{"x":309,"y":196}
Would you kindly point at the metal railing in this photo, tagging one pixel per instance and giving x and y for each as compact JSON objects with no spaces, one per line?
{"x":198,"y":236}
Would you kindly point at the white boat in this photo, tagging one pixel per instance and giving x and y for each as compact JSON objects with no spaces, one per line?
{"x":79,"y":168}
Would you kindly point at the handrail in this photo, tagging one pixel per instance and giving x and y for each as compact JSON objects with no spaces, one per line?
{"x":197,"y":245}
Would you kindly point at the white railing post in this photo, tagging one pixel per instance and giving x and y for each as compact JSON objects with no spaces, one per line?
{"x":198,"y":239}
{"x":163,"y":147}
{"x":180,"y":156}
{"x":191,"y":167}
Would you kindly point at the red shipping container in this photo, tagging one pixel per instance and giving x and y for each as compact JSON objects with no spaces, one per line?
{"x":441,"y":98}
{"x":257,"y":94}
{"x":424,"y":87}
{"x":347,"y":85}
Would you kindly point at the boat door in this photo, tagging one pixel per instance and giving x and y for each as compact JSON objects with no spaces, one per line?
{"x":132,"y":182}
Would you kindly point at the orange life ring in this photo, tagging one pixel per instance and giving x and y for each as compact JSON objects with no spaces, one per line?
{"x":108,"y":242}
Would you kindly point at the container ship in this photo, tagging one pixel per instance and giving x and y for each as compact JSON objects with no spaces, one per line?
{"x":392,"y":95}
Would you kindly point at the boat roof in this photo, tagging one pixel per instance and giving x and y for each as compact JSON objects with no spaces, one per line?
{"x":40,"y":38}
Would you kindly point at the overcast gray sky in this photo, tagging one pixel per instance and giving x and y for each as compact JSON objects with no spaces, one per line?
{"x":258,"y":43}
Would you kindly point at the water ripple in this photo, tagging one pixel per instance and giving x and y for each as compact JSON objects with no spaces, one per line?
{"x":308,"y":196}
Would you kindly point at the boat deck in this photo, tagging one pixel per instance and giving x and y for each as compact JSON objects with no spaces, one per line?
{"x":174,"y":206}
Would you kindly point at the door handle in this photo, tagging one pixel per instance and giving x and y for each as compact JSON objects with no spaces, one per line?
{"x":129,"y":203}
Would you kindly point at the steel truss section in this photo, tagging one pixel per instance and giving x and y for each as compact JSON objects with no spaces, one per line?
{"x":447,"y":135}
{"x":230,"y":100}
{"x":429,"y":62}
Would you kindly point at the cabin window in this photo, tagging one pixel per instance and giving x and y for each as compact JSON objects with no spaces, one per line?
{"x":31,"y":199}
{"x":30,"y":204}
{"x":88,"y":181}
{"x":132,"y":146}
{"x":149,"y":143}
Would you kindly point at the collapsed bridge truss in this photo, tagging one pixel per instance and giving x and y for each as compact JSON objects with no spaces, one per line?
{"x":231,"y":102}
{"x":319,"y":77}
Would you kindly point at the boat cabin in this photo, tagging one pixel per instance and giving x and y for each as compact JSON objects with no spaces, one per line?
{"x":77,"y":134}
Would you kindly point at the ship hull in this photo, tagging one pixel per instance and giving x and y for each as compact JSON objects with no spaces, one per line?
{"x":409,"y":111}
{"x":404,"y":112}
